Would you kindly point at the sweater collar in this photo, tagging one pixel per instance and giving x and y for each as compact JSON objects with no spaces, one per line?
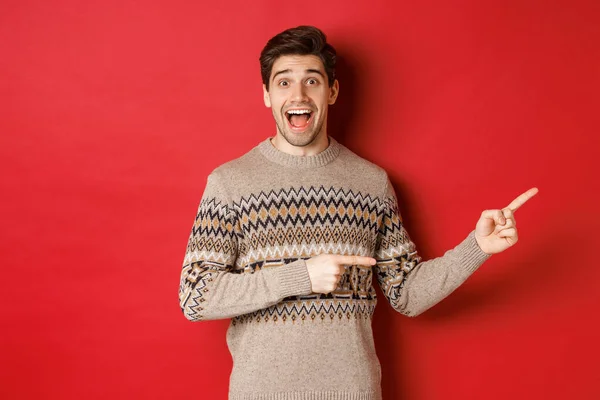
{"x":317,"y":160}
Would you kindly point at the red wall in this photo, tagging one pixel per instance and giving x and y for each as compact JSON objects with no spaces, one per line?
{"x":113,"y":113}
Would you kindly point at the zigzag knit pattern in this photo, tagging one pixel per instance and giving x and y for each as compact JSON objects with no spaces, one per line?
{"x":274,"y":228}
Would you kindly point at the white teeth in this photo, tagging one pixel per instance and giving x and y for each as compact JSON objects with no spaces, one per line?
{"x":298,"y":111}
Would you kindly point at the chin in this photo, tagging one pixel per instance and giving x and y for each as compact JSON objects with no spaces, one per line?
{"x":300,"y":139}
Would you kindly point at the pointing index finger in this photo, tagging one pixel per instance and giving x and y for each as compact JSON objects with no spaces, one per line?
{"x":356,"y":260}
{"x":519,"y":201}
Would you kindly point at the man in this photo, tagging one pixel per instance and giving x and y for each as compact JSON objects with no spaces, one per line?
{"x":289,"y":237}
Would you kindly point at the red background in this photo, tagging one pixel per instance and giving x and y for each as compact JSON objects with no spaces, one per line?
{"x":114,"y":112}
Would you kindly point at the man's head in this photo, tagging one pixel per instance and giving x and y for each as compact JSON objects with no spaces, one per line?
{"x":298,"y":73}
{"x":302,"y":40}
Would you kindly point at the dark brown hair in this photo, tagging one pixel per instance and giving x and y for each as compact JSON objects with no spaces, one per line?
{"x":302,"y":40}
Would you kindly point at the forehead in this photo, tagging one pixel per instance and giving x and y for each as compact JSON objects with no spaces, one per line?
{"x":297,"y":64}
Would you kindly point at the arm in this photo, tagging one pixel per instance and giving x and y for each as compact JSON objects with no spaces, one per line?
{"x":209,"y":287}
{"x":411,"y":285}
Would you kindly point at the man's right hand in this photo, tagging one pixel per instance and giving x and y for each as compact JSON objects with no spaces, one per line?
{"x":325,"y":270}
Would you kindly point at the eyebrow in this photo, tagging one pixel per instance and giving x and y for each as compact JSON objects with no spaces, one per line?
{"x":285,"y":71}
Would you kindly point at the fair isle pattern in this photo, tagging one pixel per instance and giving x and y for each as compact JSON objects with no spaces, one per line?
{"x":299,"y":222}
{"x":310,"y":309}
{"x":396,"y":253}
{"x":268,"y":230}
{"x":354,"y":298}
{"x":211,"y":249}
{"x":306,"y":222}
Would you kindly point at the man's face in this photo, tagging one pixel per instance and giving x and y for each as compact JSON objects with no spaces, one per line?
{"x":298,"y":96}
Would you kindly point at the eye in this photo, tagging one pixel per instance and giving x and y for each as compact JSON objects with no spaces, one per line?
{"x":283,"y":83}
{"x":312,"y":81}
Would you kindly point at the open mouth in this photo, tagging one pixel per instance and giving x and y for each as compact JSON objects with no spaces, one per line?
{"x":299,"y":118}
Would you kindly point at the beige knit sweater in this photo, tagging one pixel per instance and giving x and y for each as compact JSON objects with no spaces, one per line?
{"x":261,"y":216}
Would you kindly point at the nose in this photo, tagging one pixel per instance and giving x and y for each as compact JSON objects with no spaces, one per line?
{"x":299,"y":94}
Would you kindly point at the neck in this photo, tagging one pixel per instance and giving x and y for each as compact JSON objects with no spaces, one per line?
{"x":320,"y":143}
{"x":296,"y":162}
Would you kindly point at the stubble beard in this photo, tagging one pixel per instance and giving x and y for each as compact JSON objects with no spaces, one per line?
{"x":302,"y":139}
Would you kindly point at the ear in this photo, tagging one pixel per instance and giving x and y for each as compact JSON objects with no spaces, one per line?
{"x":333,"y":92}
{"x":266,"y":97}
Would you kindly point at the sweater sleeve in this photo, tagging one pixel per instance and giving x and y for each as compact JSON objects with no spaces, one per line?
{"x":210,"y":287}
{"x":410,"y":284}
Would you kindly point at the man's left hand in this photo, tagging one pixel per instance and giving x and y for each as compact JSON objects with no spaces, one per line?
{"x":496,"y":230}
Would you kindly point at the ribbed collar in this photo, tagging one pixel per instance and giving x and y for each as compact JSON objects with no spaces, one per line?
{"x":317,"y":160}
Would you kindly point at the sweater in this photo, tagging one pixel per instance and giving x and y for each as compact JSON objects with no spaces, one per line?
{"x":261,"y":216}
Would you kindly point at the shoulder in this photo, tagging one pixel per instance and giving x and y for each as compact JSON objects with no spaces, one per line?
{"x":237,"y":168}
{"x":361,"y":165}
{"x":223,"y":179}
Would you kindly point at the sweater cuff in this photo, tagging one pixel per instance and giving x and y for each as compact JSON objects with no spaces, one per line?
{"x":471,"y":254}
{"x":293,"y":279}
